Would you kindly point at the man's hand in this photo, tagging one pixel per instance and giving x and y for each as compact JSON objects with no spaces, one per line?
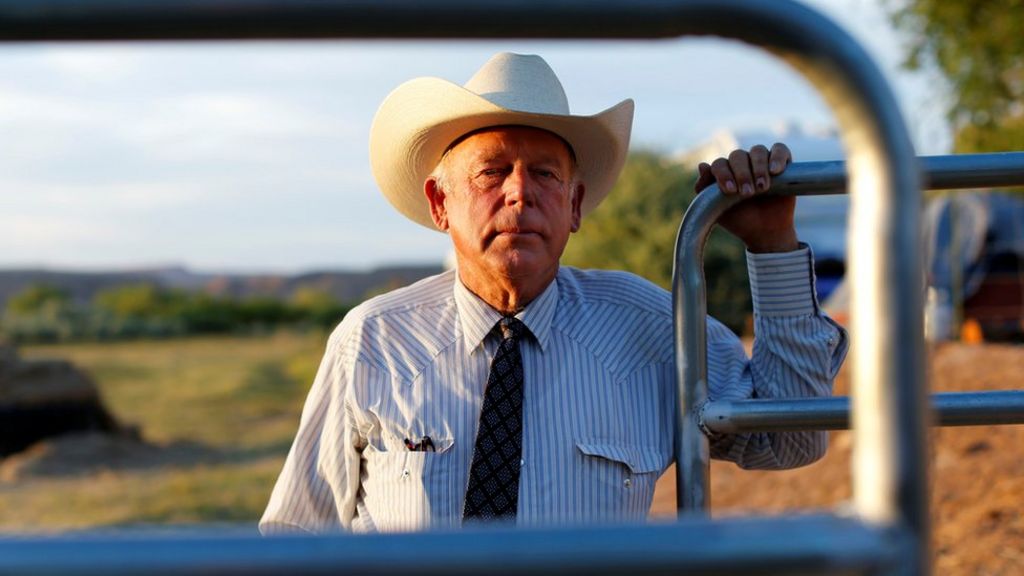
{"x":764,"y":224}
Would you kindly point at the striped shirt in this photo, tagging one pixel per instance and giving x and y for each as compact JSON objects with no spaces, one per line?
{"x":599,"y":397}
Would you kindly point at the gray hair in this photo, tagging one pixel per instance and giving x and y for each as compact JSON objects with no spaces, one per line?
{"x":440,"y":173}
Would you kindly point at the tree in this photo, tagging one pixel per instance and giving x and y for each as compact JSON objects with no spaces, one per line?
{"x":137,"y":310}
{"x":139,"y":300}
{"x":635,"y":230}
{"x":38,"y":297}
{"x":40,"y":313}
{"x":317,"y":307}
{"x":978,"y":46}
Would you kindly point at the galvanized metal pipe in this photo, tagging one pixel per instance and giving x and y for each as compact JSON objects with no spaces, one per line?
{"x":811,"y":178}
{"x":767,"y":415}
{"x":804,"y":179}
{"x":890,"y":486}
{"x":885,"y":223}
{"x":887,"y":355}
{"x":888,"y":375}
{"x":944,"y":172}
{"x":802,"y":545}
{"x":48,"y":20}
{"x":956,"y":409}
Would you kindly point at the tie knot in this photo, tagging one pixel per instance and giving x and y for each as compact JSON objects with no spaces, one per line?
{"x":511,"y":328}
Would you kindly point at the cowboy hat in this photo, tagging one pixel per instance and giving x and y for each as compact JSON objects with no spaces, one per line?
{"x":420,"y":119}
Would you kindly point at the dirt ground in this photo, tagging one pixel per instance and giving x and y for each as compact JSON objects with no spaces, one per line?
{"x":977,"y":473}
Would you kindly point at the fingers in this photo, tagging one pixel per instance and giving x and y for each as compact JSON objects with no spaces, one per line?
{"x":745,"y":172}
{"x":704,"y":177}
{"x":779,"y":158}
{"x":722,"y":172}
{"x":759,"y":167}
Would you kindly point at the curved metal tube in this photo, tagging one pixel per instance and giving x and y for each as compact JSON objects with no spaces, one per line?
{"x":888,"y":375}
{"x":943,"y":172}
{"x":887,"y":343}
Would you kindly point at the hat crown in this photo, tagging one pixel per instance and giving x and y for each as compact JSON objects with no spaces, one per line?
{"x":420,"y":119}
{"x":524,"y":83}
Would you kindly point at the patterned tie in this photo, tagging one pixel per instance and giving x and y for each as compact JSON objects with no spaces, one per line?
{"x":493,"y":492}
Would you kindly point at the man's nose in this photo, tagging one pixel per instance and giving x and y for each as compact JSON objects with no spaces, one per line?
{"x":518,"y":188}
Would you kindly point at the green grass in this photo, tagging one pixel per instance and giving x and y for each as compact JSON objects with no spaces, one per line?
{"x":239,"y":397}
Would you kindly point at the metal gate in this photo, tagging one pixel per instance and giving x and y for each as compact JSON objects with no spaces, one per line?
{"x":763,"y":415}
{"x":887,"y":535}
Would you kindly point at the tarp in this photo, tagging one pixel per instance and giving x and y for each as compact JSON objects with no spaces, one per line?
{"x":967,"y":236}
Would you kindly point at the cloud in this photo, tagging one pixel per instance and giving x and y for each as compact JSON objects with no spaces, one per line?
{"x":219,"y":126}
{"x":255,"y":154}
{"x":19,"y":107}
{"x":93,"y":63}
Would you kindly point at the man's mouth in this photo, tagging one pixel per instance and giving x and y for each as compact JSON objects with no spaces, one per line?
{"x":517,"y":232}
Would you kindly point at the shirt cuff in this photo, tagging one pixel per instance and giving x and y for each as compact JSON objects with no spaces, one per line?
{"x":782,"y":283}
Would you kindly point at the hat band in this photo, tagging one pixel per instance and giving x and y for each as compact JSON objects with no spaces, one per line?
{"x":461,"y":139}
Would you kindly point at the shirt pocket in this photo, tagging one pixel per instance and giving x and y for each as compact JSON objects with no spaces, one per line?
{"x":618,"y":478}
{"x":408,"y":490}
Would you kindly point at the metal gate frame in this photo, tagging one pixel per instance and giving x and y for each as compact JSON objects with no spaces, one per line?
{"x":889,"y":532}
{"x":950,"y":172}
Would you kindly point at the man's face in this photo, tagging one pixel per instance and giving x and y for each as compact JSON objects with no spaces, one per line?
{"x":509,"y":200}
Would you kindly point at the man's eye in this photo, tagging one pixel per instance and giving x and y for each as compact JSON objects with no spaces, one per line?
{"x":491,"y":173}
{"x":546,"y":174}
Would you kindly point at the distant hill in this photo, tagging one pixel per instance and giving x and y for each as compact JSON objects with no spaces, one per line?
{"x":346,"y":286}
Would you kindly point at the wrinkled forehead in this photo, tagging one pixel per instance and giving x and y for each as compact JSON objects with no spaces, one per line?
{"x":466,"y":136}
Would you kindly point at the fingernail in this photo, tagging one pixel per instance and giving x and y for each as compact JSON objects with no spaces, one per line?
{"x":761,"y":185}
{"x":748,"y":190}
{"x":775,"y":166}
{"x":730,"y":186}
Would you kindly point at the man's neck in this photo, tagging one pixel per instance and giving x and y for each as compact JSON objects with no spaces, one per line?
{"x":507,"y":295}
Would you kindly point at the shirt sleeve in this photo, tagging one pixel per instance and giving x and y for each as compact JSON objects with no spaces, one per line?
{"x":797,"y":352}
{"x":316,"y":490}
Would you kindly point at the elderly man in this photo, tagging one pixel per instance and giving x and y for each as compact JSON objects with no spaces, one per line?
{"x":514,"y":389}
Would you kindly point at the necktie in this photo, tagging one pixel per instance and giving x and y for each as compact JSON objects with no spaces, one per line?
{"x":493,"y":492}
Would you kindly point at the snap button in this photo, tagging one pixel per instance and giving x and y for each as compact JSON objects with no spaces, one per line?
{"x":405,"y":473}
{"x":628,"y":482}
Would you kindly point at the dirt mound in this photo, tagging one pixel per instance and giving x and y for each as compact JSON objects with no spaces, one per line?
{"x":91,"y":452}
{"x":977,"y":473}
{"x":41,"y":399}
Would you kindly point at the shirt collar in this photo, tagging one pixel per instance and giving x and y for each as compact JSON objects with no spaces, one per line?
{"x":477,"y":318}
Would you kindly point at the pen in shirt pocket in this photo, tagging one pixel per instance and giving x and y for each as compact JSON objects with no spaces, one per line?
{"x":424,"y":445}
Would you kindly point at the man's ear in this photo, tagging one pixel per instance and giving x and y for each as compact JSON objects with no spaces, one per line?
{"x":577,"y":206}
{"x":435,"y":197}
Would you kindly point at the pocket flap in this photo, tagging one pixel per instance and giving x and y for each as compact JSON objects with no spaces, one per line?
{"x":442,"y":444}
{"x":639,"y":459}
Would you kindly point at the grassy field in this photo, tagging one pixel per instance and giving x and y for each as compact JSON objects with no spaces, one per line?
{"x":234,"y":402}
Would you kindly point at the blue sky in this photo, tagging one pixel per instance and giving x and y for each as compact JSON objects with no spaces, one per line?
{"x":253,"y":156}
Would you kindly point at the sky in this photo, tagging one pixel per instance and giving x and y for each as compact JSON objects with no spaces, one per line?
{"x":252,"y":157}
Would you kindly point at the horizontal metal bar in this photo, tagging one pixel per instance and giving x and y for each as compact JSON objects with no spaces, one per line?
{"x":946,"y":172}
{"x":47,"y":20}
{"x":959,"y":171}
{"x":802,"y":545}
{"x":951,"y":409}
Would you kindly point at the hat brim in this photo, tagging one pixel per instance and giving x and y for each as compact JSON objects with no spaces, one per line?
{"x":419,"y":120}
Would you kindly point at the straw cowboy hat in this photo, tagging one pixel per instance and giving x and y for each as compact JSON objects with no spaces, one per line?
{"x":419,"y":120}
